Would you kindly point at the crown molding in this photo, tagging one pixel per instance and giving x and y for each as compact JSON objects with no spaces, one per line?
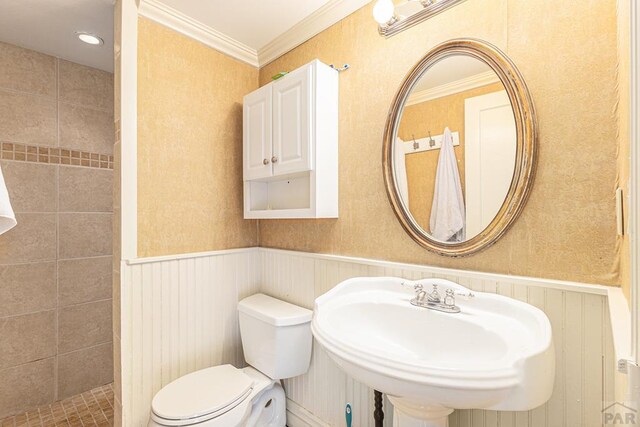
{"x":457,"y":86}
{"x":183,"y":24}
{"x":329,"y":14}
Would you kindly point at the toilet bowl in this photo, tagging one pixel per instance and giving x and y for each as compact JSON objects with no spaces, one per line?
{"x":276,"y":339}
{"x":221,"y":396}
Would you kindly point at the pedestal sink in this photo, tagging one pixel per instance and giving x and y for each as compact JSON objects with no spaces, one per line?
{"x":496,"y":353}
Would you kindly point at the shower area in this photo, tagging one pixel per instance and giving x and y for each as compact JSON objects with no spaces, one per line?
{"x":56,"y":156}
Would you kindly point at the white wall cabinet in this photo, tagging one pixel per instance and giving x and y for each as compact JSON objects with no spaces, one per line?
{"x":290,"y":137}
{"x":291,"y":122}
{"x":257,"y":133}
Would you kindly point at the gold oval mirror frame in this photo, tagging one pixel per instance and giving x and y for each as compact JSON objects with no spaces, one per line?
{"x":526,"y":146}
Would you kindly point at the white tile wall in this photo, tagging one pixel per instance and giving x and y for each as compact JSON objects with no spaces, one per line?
{"x":181,"y":316}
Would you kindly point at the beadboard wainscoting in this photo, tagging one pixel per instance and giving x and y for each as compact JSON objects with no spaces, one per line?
{"x":585,"y":364}
{"x":179,"y":315}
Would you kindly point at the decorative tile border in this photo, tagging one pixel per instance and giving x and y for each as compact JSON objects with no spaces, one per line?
{"x":61,"y":156}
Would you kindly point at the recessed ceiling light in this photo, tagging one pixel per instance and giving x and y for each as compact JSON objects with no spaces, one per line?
{"x":89,"y":38}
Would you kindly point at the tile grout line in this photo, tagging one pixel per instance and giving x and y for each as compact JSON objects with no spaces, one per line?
{"x":68,"y":413}
{"x":48,"y":260}
{"x":55,"y":97}
{"x":91,"y":412}
{"x":88,"y":347}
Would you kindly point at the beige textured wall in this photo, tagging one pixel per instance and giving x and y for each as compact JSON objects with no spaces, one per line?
{"x":565,"y":52}
{"x":55,"y":265}
{"x":434,"y":115}
{"x":189,"y":145}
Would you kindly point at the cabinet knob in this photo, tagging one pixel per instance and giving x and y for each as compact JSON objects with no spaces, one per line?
{"x":265,"y":162}
{"x":274,"y":159}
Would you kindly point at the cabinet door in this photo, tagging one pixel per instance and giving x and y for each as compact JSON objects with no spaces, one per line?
{"x":257,"y":134}
{"x":292,"y":112}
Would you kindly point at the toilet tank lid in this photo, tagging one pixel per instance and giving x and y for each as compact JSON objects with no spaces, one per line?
{"x":274,"y":311}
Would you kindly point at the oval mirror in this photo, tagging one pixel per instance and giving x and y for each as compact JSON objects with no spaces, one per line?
{"x":460,"y":147}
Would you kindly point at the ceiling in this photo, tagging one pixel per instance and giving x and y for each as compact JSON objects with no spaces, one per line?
{"x":49,"y":26}
{"x":450,"y":70}
{"x":253,"y":23}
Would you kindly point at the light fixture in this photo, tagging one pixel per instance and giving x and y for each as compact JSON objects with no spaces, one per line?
{"x":425,"y":3}
{"x":383,"y":12}
{"x":391,"y":21}
{"x":89,"y":38}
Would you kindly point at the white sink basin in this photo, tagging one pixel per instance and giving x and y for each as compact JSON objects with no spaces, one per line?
{"x":497,"y":353}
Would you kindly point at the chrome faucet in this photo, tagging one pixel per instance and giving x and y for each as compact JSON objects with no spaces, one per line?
{"x":434,"y":300}
{"x":434,"y":296}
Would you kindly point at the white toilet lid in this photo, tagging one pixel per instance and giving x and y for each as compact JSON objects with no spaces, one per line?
{"x":217,"y":389}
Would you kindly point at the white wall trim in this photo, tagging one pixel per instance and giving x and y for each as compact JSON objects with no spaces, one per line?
{"x":329,"y":14}
{"x":192,"y":255}
{"x":183,"y":24}
{"x":297,"y":416}
{"x":451,"y":88}
{"x":634,"y":184}
{"x":620,"y":318}
{"x":520,"y":280}
{"x":129,"y":130}
{"x":527,"y":281}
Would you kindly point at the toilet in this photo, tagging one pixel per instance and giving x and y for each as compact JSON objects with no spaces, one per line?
{"x":276,"y":340}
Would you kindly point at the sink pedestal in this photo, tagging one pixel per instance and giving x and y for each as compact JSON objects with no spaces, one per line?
{"x":409,"y":414}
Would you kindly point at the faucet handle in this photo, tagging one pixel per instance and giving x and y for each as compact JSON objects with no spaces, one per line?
{"x":434,"y":295}
{"x":450,"y":299}
{"x":420,"y":293}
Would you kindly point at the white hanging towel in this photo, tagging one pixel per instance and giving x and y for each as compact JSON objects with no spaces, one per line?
{"x":400,"y":170}
{"x":447,"y":211}
{"x":7,"y":217}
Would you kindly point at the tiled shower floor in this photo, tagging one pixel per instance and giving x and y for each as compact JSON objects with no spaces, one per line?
{"x":92,"y":408}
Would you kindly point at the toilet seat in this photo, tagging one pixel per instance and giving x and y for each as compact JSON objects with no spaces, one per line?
{"x":201,"y":396}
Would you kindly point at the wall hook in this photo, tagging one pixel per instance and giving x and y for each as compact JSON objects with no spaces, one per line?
{"x":432,"y":142}
{"x":340,"y":69}
{"x":416,"y":144}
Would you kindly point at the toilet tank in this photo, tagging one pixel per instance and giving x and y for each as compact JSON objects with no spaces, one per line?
{"x":276,"y":336}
